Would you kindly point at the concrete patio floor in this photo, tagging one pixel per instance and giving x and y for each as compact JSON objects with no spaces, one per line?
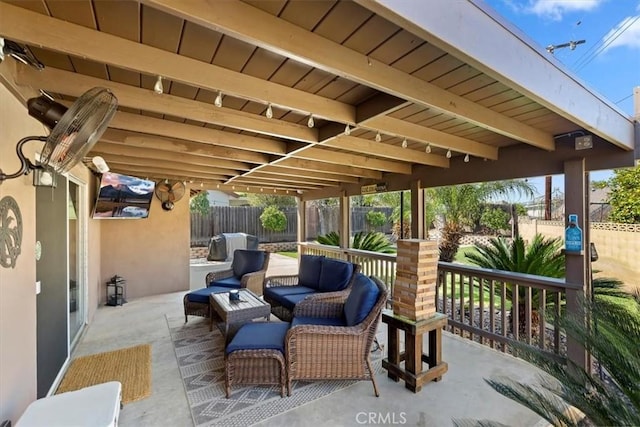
{"x":462,"y":393}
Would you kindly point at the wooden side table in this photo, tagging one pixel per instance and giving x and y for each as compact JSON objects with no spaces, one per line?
{"x":413,"y":356}
{"x":235,"y":313}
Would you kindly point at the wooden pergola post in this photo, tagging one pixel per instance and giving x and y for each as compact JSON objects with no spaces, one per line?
{"x":577,"y":264}
{"x":345,"y":220}
{"x":417,"y":210}
{"x":302,"y":221}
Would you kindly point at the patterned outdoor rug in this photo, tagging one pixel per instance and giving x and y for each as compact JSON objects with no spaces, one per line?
{"x":201,"y":361}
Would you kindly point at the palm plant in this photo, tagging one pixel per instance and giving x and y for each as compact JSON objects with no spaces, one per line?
{"x":461,"y":205}
{"x":611,"y":335}
{"x":542,"y":258}
{"x":373,"y":241}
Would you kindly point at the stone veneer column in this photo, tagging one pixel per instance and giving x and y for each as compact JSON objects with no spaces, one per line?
{"x":414,"y":291}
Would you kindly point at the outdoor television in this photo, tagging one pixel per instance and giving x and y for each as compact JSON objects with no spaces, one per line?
{"x":123,"y":196}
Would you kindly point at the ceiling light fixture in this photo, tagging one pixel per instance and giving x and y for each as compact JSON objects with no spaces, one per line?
{"x":428,"y":148}
{"x":218,"y":100}
{"x":158,"y":87}
{"x":269,"y":113}
{"x":347,"y":130}
{"x":310,"y":122}
{"x":466,"y":158}
{"x":404,"y":143}
{"x":448,"y":154}
{"x":378,"y":137}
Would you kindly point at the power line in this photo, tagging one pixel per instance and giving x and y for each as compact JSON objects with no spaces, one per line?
{"x":604,"y":43}
{"x":624,"y":99}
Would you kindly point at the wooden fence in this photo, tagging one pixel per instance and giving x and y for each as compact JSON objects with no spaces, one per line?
{"x":246,"y":219}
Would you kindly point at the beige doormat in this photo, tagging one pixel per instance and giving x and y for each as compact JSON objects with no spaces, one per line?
{"x":131,"y":366}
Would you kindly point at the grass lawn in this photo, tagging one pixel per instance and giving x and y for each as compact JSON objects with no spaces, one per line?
{"x":289,"y":254}
{"x":462,"y":251}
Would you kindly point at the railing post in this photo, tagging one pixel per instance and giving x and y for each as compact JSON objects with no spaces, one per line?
{"x":345,"y":220}
{"x":576,"y":263}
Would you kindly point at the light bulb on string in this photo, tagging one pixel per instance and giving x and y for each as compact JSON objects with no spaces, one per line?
{"x":218,"y":101}
{"x":378,"y":137}
{"x":269,"y":113}
{"x":404,"y":143}
{"x":466,"y":158}
{"x":448,"y":154}
{"x":347,"y":130}
{"x":310,"y":122}
{"x":428,"y":149}
{"x":158,"y":87}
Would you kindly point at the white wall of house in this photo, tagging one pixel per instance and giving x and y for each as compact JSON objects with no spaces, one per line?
{"x":218,"y":198}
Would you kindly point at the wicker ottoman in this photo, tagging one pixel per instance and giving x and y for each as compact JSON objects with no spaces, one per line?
{"x":255,"y":355}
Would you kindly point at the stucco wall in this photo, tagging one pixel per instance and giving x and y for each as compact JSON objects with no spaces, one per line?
{"x":152,"y":254}
{"x":17,"y":285}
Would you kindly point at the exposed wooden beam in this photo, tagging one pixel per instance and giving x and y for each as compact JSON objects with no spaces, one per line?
{"x":22,"y":25}
{"x":380,"y":149}
{"x":137,"y":161}
{"x":290,"y":178}
{"x":328,"y":168}
{"x":254,"y":26}
{"x":214,"y":185}
{"x":182,"y":146}
{"x":280,"y":170}
{"x":125,"y":150}
{"x":147,"y":171}
{"x":392,"y":126}
{"x":74,"y":84}
{"x":246,"y":181}
{"x":348,"y":159}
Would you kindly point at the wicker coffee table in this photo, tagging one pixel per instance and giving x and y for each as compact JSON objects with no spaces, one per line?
{"x":232,"y":314}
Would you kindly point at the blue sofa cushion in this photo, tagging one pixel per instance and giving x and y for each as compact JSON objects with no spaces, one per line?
{"x":335,"y":275}
{"x":309,"y":270}
{"x":246,"y":261}
{"x":202,"y":295}
{"x":363,"y":296}
{"x":259,"y":335}
{"x":227,"y":282}
{"x":327,"y":321}
{"x":277,"y":292}
{"x":290,"y":301}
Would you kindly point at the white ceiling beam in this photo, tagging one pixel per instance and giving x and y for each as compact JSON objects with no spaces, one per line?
{"x":400,"y":128}
{"x":33,"y":28}
{"x":529,"y":68}
{"x":254,"y":26}
{"x":74,"y":84}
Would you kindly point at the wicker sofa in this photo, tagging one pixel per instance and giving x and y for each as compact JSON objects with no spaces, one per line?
{"x":247,"y":270}
{"x":317,"y":275}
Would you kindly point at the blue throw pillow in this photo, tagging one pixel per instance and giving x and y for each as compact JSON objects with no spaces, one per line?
{"x":363,"y":296}
{"x":246,"y":261}
{"x":309,"y":272}
{"x":335,"y":275}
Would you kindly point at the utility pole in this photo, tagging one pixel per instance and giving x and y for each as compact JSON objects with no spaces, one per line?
{"x":570,"y":44}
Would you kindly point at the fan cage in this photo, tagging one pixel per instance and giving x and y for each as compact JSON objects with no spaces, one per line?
{"x":79,"y":129}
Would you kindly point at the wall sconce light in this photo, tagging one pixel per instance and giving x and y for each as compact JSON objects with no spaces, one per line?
{"x":100,"y":164}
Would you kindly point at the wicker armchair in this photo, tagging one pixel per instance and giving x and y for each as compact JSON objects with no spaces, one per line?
{"x":196,"y":303}
{"x":321,"y":351}
{"x":285,"y":313}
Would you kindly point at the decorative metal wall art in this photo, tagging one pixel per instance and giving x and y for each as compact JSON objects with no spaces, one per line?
{"x":10,"y":231}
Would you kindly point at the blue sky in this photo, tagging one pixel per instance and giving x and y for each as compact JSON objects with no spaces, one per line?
{"x":608,"y":61}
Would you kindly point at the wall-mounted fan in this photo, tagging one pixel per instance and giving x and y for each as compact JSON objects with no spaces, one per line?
{"x":169,"y":192}
{"x":74,"y":130}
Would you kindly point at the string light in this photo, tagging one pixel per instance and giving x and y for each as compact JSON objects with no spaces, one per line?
{"x":347,"y":130}
{"x":218,"y":100}
{"x":310,"y":122}
{"x":466,"y":158}
{"x":201,"y":184}
{"x":261,"y":189}
{"x":448,"y":154}
{"x":428,"y":149}
{"x":274,"y":190}
{"x":269,"y":113}
{"x":158,"y":87}
{"x":378,"y":137}
{"x":404,"y":143}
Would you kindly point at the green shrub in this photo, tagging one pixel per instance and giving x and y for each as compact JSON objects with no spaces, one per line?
{"x":376,"y":218}
{"x":373,"y":241}
{"x":199,"y":203}
{"x":273,"y":219}
{"x":495,"y":219}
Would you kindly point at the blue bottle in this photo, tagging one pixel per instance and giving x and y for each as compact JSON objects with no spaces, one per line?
{"x":573,"y":235}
